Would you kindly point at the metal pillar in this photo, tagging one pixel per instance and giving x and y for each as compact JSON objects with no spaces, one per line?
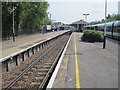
{"x":13,"y":26}
{"x":104,"y":42}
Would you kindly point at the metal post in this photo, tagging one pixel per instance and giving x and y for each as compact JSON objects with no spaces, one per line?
{"x":77,"y":27}
{"x":13,"y":26}
{"x":50,"y":22}
{"x":86,"y":17}
{"x":104,"y":42}
{"x":43,"y":25}
{"x":50,"y":17}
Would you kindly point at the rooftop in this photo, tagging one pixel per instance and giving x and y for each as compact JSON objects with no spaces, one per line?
{"x":80,"y":22}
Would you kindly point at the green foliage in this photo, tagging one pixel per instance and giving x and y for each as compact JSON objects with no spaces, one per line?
{"x":110,"y":18}
{"x":92,"y":36}
{"x":27,"y":16}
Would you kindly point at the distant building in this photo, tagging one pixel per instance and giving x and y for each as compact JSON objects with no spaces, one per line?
{"x":79,"y":25}
{"x":57,"y":24}
{"x":119,"y":7}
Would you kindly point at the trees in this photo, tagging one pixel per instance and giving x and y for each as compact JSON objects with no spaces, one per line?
{"x":28,"y":17}
{"x":113,"y":17}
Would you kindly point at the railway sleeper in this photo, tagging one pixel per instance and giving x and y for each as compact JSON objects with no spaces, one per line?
{"x":25,"y":77}
{"x":41,"y":73}
{"x":29,"y":72}
{"x":35,"y":84}
{"x":43,"y":70}
{"x":47,"y":67}
{"x":24,"y":83}
{"x":38,"y":66}
{"x":40,"y":78}
{"x":35,"y":76}
{"x":20,"y":82}
{"x":33,"y":69}
{"x":48,"y":64}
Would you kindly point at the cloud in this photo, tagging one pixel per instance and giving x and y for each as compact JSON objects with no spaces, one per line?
{"x":72,"y":11}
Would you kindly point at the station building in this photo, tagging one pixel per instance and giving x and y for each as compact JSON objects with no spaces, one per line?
{"x":79,"y":25}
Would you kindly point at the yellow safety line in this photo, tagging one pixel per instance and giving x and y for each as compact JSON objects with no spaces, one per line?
{"x":76,"y":64}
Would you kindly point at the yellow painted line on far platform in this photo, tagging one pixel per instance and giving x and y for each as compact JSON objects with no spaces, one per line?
{"x":76,"y":64}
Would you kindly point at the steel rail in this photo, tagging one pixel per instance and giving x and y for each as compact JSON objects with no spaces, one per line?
{"x":49,"y":73}
{"x":30,"y":66}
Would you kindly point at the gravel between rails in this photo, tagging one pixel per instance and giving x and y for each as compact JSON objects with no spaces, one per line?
{"x":9,"y":76}
{"x":31,"y":79}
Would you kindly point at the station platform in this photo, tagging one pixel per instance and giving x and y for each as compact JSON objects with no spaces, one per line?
{"x":9,"y":47}
{"x":88,"y":65}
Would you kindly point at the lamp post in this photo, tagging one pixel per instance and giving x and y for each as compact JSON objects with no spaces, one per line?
{"x":50,"y":21}
{"x":43,"y":26}
{"x":50,"y":16}
{"x":13,"y":26}
{"x":104,"y":42}
{"x":86,"y":16}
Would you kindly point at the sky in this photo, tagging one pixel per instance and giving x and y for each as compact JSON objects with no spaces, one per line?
{"x":68,"y":11}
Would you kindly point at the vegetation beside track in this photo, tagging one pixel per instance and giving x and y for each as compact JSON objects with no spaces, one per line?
{"x":29,"y":17}
{"x":113,"y":17}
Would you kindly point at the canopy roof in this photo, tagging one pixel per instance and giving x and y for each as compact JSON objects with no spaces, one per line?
{"x":80,"y":22}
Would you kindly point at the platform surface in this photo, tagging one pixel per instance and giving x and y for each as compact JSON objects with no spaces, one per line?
{"x":9,"y":47}
{"x":97,"y":67}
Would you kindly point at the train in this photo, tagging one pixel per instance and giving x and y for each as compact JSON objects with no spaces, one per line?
{"x":112,"y":29}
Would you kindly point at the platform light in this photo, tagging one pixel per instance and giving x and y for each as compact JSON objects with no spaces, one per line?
{"x":13,"y":31}
{"x":86,"y":16}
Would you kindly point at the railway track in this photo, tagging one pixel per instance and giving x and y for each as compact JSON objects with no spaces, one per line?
{"x":37,"y":74}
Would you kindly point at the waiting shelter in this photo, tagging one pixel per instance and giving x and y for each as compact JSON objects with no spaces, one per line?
{"x":79,"y":25}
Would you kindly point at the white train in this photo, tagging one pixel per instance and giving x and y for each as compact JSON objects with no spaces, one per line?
{"x":112,"y":29}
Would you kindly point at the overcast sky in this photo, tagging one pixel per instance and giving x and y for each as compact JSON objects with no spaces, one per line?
{"x":68,"y":11}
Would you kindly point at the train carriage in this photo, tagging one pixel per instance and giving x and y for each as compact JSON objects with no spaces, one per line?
{"x":116,"y":30}
{"x":112,"y":29}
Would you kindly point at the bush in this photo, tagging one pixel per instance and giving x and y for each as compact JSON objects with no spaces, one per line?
{"x":92,"y":36}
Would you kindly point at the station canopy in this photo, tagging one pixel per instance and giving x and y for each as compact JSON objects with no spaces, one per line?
{"x":80,"y":22}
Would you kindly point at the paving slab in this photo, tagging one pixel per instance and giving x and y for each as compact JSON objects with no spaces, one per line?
{"x":98,"y":67}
